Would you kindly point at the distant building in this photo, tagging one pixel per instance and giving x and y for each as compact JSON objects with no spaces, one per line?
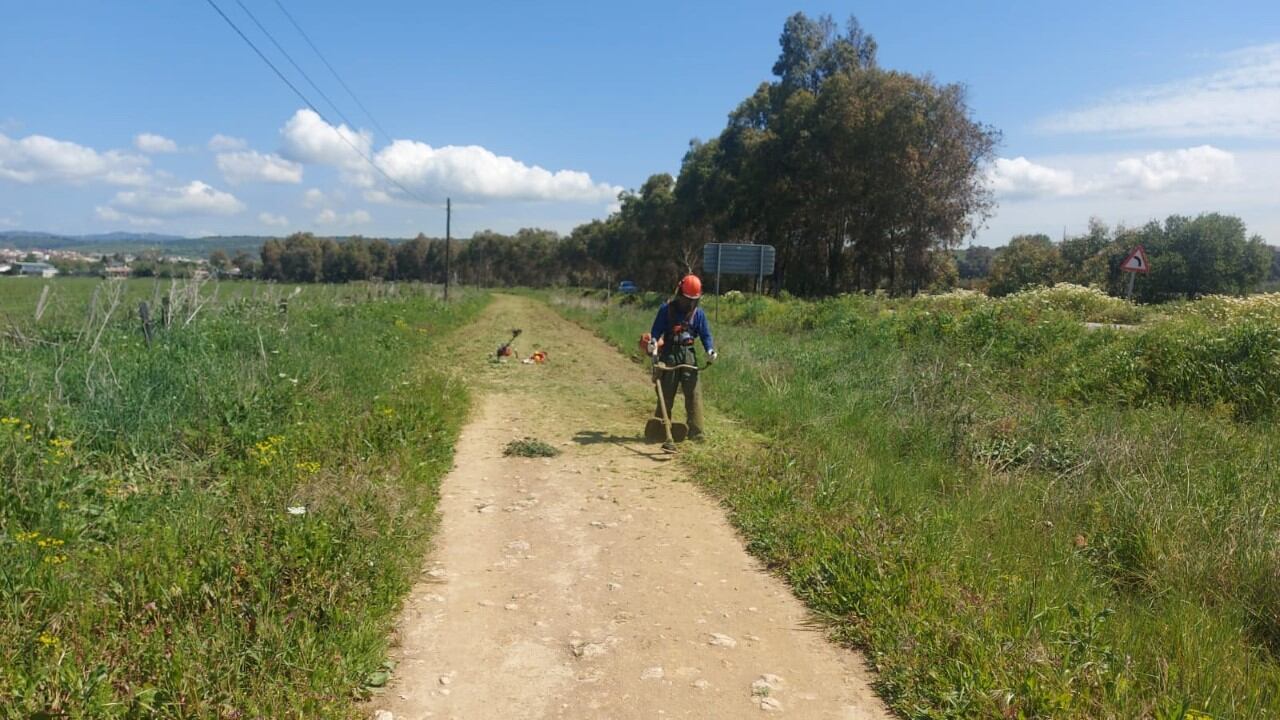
{"x":35,"y":269}
{"x":5,"y":268}
{"x":116,"y":271}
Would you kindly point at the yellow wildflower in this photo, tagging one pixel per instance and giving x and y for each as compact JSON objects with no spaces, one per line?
{"x":55,"y":559}
{"x":61,"y":448}
{"x":267,"y":450}
{"x":48,"y":640}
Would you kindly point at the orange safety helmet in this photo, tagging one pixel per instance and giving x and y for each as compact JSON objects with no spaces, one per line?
{"x":690,"y":287}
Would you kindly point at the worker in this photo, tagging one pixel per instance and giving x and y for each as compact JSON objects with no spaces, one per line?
{"x":680,"y":322}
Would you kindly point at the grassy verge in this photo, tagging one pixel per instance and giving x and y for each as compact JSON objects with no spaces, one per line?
{"x":1016,"y":517}
{"x":223,"y":524}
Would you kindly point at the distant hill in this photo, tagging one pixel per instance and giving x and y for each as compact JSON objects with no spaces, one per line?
{"x":130,"y":237}
{"x":26,"y":233}
{"x":133,"y":242}
{"x":128,"y":242}
{"x":11,"y":235}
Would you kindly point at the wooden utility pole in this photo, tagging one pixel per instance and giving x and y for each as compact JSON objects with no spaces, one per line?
{"x":448,"y":221}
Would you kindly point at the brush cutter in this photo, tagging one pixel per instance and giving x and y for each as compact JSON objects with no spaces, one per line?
{"x":662,"y":428}
{"x":505,"y":350}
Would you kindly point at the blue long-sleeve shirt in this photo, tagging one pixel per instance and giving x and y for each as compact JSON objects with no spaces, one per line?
{"x":698,"y":326}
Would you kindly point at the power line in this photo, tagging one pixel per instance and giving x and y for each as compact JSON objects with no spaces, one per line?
{"x":386,"y":135}
{"x":295,"y":65}
{"x":266,"y":60}
{"x":311,"y":105}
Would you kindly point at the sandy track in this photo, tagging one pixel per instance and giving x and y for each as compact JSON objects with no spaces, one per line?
{"x":596,"y":584}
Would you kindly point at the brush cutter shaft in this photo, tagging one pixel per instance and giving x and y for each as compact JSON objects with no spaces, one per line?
{"x":666,"y":420}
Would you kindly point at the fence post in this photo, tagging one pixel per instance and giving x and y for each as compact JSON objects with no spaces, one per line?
{"x":144,"y":314}
{"x":42,"y":303}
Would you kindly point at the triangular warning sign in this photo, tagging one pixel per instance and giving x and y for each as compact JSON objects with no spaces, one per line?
{"x":1136,"y":262}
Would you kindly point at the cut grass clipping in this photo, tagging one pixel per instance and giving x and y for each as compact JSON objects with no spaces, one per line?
{"x":530,"y":447}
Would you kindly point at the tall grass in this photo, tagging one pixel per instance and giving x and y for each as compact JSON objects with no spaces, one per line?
{"x":219,"y":525}
{"x":1016,"y":516}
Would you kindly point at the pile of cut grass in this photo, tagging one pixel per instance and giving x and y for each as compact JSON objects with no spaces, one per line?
{"x":530,"y":448}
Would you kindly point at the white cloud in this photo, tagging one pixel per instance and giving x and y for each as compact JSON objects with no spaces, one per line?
{"x":195,"y":198}
{"x":267,"y":218}
{"x":473,"y":171}
{"x":467,"y":171}
{"x":1151,"y":174}
{"x":307,"y":138}
{"x":152,"y":143}
{"x":1189,"y":167}
{"x":253,"y":166}
{"x":1240,"y":100}
{"x":226,"y":143}
{"x":1247,"y":188}
{"x":1021,"y":177}
{"x":37,"y":158}
{"x":356,"y":217}
{"x":313,"y":198}
{"x":110,"y":214}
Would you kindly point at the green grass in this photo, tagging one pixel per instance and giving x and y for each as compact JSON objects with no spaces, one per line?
{"x":221,"y":525}
{"x":69,"y":298}
{"x":1015,"y":516}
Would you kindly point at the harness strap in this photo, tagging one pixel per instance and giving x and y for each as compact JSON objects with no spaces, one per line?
{"x":679,"y":333}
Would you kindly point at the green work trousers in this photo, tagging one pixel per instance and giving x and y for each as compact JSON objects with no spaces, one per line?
{"x":685,"y":381}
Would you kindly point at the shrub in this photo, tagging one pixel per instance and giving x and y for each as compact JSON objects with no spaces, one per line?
{"x":1086,"y":304}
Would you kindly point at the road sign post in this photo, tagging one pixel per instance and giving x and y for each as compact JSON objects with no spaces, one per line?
{"x":718,"y":258}
{"x":1135,"y":263}
{"x":737,"y":259}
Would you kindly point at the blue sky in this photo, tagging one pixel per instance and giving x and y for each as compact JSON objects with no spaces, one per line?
{"x":536,"y":114}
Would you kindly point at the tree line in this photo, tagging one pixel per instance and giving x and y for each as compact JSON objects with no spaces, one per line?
{"x":530,"y":257}
{"x":1209,"y":254}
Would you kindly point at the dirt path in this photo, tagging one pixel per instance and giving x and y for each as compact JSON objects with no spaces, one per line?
{"x":595,"y":584}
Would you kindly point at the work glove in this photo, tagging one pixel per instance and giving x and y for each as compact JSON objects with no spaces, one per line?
{"x":711,"y":356}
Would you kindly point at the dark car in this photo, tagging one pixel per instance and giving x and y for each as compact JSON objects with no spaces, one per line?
{"x":626,"y":287}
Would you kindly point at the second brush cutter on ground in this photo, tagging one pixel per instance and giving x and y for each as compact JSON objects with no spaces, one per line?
{"x":505,"y":349}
